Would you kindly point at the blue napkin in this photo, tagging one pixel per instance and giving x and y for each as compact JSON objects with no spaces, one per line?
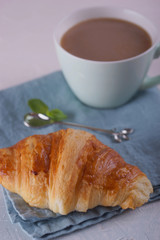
{"x":143,"y":150}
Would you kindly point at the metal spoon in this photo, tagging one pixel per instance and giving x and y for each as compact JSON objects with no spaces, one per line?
{"x":38,"y":120}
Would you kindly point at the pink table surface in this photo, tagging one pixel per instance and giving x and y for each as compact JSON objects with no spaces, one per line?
{"x":27,"y":52}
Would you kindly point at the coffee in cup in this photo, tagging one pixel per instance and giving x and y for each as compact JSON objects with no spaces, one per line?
{"x":106,"y":39}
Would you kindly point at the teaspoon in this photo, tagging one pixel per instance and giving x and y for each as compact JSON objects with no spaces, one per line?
{"x":37,"y":120}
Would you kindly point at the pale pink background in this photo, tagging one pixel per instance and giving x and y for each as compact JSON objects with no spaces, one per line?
{"x":27,"y":52}
{"x":26,"y":29}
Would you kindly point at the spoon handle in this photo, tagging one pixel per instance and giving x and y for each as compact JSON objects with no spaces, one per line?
{"x":87,"y":127}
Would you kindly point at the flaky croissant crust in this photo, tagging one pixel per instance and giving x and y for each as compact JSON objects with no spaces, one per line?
{"x":71,"y":170}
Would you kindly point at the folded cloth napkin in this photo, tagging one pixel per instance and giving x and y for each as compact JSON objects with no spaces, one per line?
{"x":143,"y":150}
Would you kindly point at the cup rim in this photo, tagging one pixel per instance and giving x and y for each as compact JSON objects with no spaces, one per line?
{"x":104,"y":62}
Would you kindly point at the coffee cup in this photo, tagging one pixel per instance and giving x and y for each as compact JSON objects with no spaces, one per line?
{"x":107,"y":84}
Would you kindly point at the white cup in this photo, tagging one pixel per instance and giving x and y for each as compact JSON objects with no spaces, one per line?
{"x":107,"y":84}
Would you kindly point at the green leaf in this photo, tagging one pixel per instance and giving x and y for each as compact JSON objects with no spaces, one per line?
{"x":56,"y":115}
{"x":38,"y":106}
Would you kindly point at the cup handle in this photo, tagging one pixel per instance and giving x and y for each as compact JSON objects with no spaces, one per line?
{"x":152,"y":81}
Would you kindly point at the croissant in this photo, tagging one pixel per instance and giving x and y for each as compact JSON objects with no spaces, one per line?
{"x":71,"y":170}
